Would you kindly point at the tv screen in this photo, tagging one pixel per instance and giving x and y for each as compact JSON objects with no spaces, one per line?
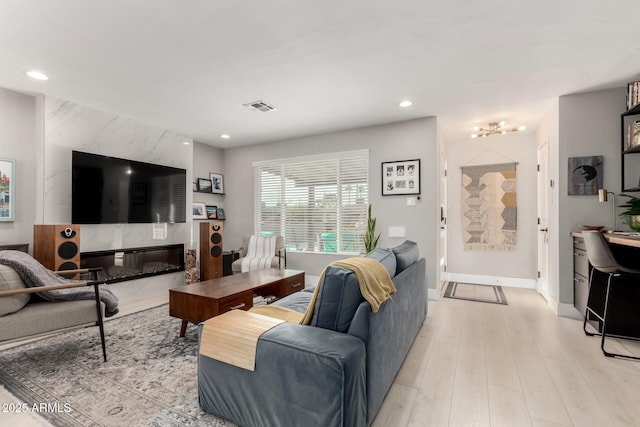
{"x":109,"y":190}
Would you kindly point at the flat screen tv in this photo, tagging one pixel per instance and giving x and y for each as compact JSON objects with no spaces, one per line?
{"x":109,"y":190}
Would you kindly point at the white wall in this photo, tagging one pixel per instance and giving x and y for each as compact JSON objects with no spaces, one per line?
{"x":517,"y":267}
{"x":589,"y":125}
{"x":18,"y":142}
{"x":398,"y":141}
{"x":69,"y":126}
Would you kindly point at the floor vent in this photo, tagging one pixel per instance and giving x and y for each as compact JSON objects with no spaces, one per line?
{"x":261,"y":105}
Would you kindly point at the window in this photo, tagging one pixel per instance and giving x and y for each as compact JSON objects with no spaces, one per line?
{"x":318,"y":203}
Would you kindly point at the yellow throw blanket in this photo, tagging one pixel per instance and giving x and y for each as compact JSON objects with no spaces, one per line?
{"x":375,"y":283}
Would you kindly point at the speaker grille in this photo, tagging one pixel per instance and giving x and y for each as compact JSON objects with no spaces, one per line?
{"x":216,"y":251}
{"x":67,"y":250}
{"x":68,"y":266}
{"x":216,"y":238}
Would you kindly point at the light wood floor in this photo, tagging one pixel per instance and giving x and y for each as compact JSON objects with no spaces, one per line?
{"x":478,"y":364}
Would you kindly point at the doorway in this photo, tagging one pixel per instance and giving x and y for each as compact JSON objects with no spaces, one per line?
{"x":542,"y":285}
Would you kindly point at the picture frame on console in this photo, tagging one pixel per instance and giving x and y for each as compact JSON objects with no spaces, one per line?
{"x":221,"y":213}
{"x":212,"y":212}
{"x":199,"y":210}
{"x":7,"y":189}
{"x":217,"y":183}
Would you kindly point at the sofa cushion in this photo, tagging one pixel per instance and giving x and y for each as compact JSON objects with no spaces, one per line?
{"x":337,"y":300}
{"x":386,"y":257}
{"x":406,"y":254}
{"x":9,"y":280}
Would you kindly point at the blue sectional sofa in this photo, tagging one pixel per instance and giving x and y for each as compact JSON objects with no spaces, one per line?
{"x":334,"y":372}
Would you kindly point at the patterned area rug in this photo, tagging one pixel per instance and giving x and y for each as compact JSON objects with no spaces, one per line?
{"x":480,"y":293}
{"x":150,"y":378}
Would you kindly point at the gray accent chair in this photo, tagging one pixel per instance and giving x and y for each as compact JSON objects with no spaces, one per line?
{"x":24,"y":315}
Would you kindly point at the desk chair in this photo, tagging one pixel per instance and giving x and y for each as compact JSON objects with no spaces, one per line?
{"x":618,"y":276}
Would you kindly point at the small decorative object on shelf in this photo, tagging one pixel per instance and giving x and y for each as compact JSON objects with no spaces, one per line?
{"x":633,"y":94}
{"x":199,"y":210}
{"x":630,"y":146}
{"x":212,"y":212}
{"x":221,"y":213}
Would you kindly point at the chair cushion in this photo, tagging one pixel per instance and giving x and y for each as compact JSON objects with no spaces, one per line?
{"x":406,"y":254}
{"x":386,"y":257}
{"x":9,"y":280}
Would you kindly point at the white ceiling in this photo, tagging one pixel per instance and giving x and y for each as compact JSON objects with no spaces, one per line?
{"x":189,"y":65}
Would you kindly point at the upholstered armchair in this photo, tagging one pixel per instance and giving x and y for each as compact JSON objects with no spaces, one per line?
{"x":259,"y":252}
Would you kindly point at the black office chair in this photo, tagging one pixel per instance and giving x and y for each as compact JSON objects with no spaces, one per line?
{"x":599,"y":300}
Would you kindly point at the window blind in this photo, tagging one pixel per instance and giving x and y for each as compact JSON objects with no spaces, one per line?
{"x":317,"y":203}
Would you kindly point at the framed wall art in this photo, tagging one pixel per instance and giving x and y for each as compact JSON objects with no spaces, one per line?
{"x":217,"y":184}
{"x":585,"y":175}
{"x":401,"y":177}
{"x":7,"y":189}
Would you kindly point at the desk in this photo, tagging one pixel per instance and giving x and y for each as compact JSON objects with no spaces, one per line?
{"x":626,"y":250}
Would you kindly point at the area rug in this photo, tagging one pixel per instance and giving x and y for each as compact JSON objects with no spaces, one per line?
{"x":489,"y":207}
{"x":149,"y":379}
{"x":479,"y":293}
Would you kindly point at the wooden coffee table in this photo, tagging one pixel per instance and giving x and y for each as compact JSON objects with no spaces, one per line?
{"x":200,"y":301}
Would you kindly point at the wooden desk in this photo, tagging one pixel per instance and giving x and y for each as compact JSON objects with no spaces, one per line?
{"x":200,"y":301}
{"x":618,"y":239}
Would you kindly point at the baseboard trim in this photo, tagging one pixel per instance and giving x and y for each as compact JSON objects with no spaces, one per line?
{"x":513,"y":282}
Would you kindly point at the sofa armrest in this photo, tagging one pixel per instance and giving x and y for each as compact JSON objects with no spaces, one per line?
{"x":303,"y":376}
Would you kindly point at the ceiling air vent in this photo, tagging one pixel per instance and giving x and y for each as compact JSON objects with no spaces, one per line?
{"x":261,"y":105}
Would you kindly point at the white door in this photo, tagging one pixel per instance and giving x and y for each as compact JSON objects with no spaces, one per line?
{"x":443,"y":218}
{"x":543,"y":220}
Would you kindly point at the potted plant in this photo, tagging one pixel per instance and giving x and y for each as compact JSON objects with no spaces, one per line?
{"x":631,"y":215}
{"x":370,"y":238}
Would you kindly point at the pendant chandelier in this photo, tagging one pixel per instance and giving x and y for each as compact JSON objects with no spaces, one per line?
{"x":495,"y":128}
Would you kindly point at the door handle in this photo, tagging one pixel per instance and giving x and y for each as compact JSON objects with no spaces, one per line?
{"x":544,"y":229}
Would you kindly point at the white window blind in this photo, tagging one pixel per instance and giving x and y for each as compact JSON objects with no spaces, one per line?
{"x":317,"y":203}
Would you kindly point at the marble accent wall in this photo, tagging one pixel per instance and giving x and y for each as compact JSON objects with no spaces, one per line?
{"x":69,"y":126}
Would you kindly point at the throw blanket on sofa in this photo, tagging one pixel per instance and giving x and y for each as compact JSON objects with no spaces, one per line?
{"x":260,"y":251}
{"x":34,"y":274}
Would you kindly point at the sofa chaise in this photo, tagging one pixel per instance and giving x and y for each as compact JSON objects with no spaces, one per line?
{"x":335,"y":371}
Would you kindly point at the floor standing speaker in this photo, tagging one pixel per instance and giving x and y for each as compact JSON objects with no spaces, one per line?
{"x":57,"y":247}
{"x":210,"y":250}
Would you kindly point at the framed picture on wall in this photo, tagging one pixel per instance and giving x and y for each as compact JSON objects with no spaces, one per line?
{"x":217,"y":183}
{"x":7,"y":189}
{"x":401,"y":177}
{"x":585,"y":175}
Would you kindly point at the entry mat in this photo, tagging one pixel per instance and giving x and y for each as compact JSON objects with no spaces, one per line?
{"x":480,"y":293}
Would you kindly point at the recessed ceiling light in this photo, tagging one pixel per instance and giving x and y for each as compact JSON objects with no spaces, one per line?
{"x":225,"y":136}
{"x":406,"y":103}
{"x":37,"y":75}
{"x":186,"y":143}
